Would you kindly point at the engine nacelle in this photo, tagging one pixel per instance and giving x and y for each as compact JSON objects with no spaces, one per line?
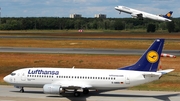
{"x":52,"y":89}
{"x":134,"y":15}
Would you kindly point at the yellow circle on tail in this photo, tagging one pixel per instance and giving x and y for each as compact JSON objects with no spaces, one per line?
{"x":152,"y":56}
{"x":169,"y":15}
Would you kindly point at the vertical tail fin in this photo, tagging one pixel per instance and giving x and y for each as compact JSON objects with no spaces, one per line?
{"x":168,"y":15}
{"x":150,"y":59}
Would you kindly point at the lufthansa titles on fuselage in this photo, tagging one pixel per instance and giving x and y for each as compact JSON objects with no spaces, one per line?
{"x":46,"y":72}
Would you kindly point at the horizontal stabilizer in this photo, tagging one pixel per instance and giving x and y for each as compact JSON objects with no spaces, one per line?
{"x":165,"y":71}
{"x":150,"y":74}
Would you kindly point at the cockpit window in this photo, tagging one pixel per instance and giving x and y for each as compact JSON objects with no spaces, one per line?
{"x":13,"y":74}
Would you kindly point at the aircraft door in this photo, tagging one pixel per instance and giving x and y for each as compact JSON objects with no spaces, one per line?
{"x":127,"y":79}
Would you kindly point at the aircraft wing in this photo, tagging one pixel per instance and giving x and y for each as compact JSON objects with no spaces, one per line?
{"x":73,"y":85}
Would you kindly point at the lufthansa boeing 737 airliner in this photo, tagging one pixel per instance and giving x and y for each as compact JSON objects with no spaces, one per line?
{"x":61,"y":80}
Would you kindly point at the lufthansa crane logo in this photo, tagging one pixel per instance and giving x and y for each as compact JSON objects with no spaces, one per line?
{"x":152,"y":56}
{"x":168,"y":14}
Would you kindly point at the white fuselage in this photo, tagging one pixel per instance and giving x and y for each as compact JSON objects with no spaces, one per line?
{"x":98,"y":79}
{"x":134,"y":13}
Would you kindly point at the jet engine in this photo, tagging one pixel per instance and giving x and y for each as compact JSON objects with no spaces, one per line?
{"x":138,"y":16}
{"x":52,"y":89}
{"x":134,"y":15}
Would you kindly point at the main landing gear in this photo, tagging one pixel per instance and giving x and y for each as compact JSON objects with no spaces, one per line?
{"x":77,"y":94}
{"x":85,"y":91}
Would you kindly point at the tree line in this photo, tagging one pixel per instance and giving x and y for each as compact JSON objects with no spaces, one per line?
{"x":30,"y":23}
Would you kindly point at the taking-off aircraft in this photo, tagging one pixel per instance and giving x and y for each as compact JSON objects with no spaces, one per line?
{"x":62,"y":80}
{"x":140,"y":14}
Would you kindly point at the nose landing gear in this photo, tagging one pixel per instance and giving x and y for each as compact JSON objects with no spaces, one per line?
{"x":22,"y":90}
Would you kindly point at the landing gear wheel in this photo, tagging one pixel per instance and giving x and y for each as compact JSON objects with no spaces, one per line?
{"x":76,"y":94}
{"x":85,"y":91}
{"x":22,"y":90}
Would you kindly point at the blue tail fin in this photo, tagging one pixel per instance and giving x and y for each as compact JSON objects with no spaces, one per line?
{"x":150,"y":59}
{"x":168,"y":15}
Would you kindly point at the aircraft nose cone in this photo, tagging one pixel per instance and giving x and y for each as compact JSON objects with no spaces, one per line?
{"x":116,"y":7}
{"x":6,"y":79}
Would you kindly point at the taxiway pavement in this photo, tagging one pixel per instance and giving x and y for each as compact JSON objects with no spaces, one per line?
{"x":9,"y":93}
{"x":41,"y":37}
{"x":81,"y":50}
